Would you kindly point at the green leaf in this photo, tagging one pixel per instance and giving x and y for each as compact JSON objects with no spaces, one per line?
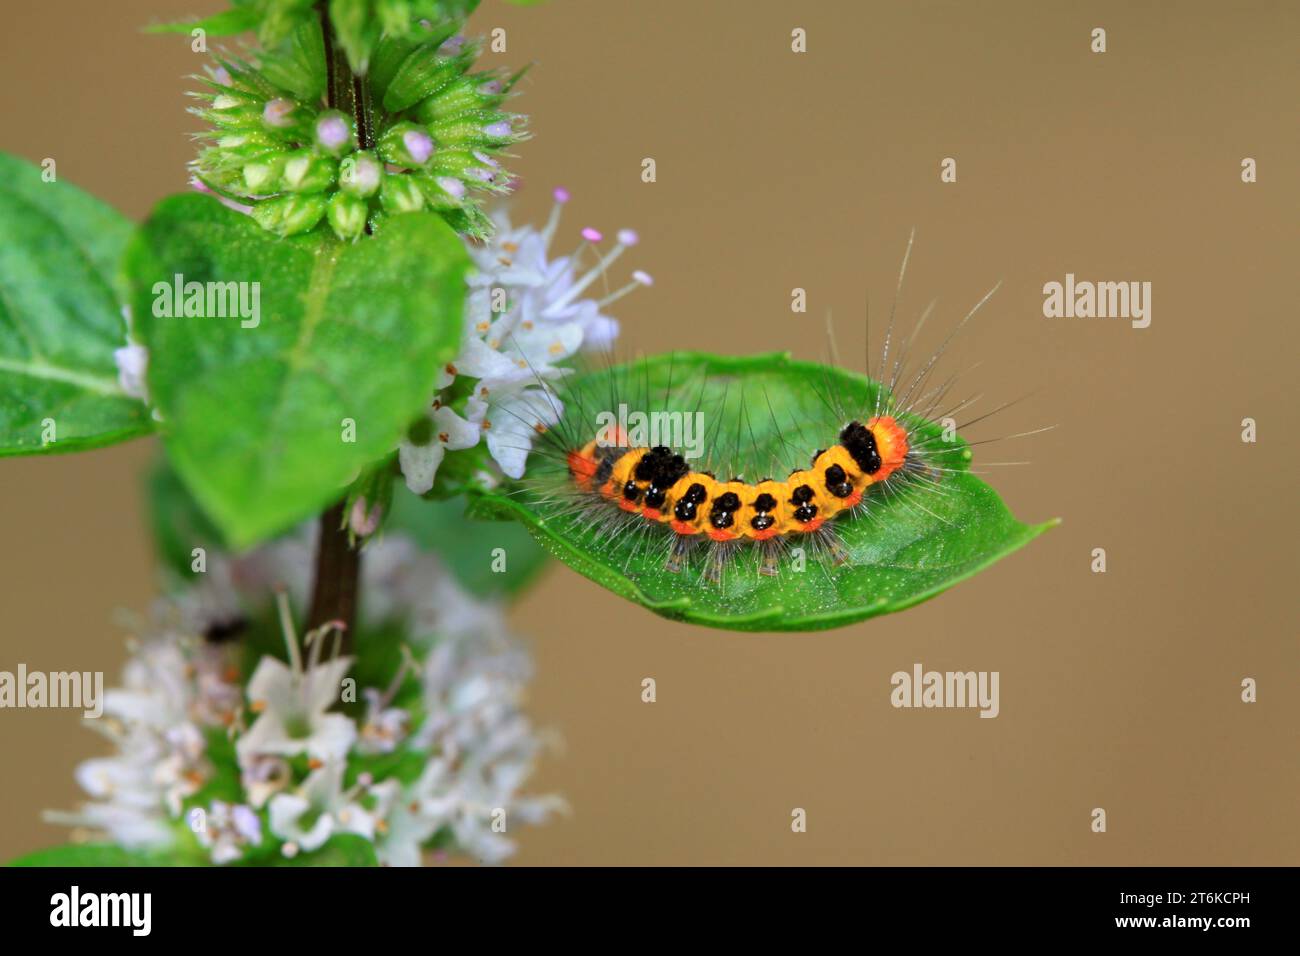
{"x":468,"y":545}
{"x":223,"y":24}
{"x":60,"y":317}
{"x":179,"y":524}
{"x":342,"y":849}
{"x":298,"y":65}
{"x":96,"y":854}
{"x":764,"y":415}
{"x":254,"y":417}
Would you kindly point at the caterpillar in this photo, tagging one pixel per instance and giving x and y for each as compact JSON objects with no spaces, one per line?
{"x":888,"y":468}
{"x":658,"y":485}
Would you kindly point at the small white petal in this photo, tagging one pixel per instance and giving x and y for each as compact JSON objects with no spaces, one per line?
{"x":419,"y":464}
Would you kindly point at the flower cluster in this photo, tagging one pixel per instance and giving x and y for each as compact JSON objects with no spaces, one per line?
{"x":429,"y":136}
{"x":171,"y":692}
{"x":242,"y":774}
{"x":525,"y":316}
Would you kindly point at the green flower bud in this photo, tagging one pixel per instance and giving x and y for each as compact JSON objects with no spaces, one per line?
{"x":333,"y":132}
{"x":290,"y":215}
{"x":400,"y":194}
{"x":227,"y":103}
{"x":441,"y":192}
{"x":264,"y":177}
{"x":284,"y":117}
{"x":237,"y":116}
{"x":347,"y":216}
{"x":274,"y":146}
{"x":250,"y":142}
{"x":406,"y":144}
{"x":475,"y":168}
{"x":422,"y":74}
{"x":306,"y":171}
{"x":360,"y":173}
{"x":463,"y":95}
{"x":476,"y":129}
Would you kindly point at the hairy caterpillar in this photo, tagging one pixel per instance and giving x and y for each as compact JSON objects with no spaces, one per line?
{"x":876,"y":441}
{"x":657,"y":484}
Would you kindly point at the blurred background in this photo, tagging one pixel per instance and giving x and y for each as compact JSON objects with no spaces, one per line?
{"x":778,"y":170}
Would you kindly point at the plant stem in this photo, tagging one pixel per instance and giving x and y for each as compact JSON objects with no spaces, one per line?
{"x":338,"y":569}
{"x":344,"y":90}
{"x":338,"y":564}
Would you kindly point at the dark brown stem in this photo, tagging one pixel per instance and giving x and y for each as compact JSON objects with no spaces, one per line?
{"x":344,"y":90}
{"x":338,"y":569}
{"x":338,"y":564}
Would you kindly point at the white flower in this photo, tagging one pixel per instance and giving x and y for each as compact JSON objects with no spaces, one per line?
{"x":225,"y":830}
{"x":484,"y":745}
{"x":319,"y":809}
{"x":513,"y":420}
{"x":263,"y":776}
{"x":450,"y":432}
{"x":296,"y":820}
{"x":467,"y":727}
{"x":132,"y":363}
{"x":154,"y":722}
{"x":128,"y":826}
{"x":401,"y":830}
{"x":292,"y":701}
{"x":524,"y":315}
{"x":385,"y":726}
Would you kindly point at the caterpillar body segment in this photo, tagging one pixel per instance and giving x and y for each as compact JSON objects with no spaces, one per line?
{"x":658,"y":485}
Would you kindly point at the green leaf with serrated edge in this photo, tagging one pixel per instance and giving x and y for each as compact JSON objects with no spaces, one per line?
{"x":468,"y":546}
{"x":763,"y":416}
{"x":257,"y":418}
{"x":60,"y":317}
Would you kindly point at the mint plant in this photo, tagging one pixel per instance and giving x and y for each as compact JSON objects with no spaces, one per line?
{"x":336,"y":690}
{"x":350,"y":354}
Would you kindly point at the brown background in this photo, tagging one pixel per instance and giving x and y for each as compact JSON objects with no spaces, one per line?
{"x":778,"y":170}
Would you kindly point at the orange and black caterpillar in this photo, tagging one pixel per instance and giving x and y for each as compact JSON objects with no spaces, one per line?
{"x":658,"y":485}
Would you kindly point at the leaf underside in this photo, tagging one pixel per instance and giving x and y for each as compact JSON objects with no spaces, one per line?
{"x":762,"y":417}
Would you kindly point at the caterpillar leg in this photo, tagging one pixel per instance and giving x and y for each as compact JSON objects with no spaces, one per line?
{"x":769,"y":558}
